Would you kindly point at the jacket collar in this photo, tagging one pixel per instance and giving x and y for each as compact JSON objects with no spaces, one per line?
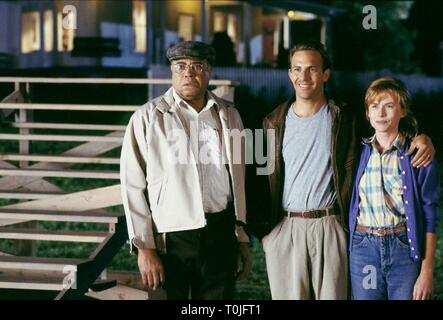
{"x":399,"y":143}
{"x":167,"y":102}
{"x":276,"y":117}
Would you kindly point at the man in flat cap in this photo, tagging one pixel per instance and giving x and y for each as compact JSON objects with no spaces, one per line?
{"x":183,"y":186}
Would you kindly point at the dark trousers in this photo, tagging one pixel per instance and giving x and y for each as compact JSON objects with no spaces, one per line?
{"x":201,"y":263}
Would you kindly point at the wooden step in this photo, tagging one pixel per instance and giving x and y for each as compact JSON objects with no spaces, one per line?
{"x":32,"y":280}
{"x":53,"y":235}
{"x":60,"y":159}
{"x":67,"y":126}
{"x":60,"y":173}
{"x":39,"y":263}
{"x":73,"y":107}
{"x":65,"y":216}
{"x":58,"y":137}
{"x":27,"y":195}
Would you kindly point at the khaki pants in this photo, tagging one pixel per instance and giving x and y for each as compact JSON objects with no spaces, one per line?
{"x":307,"y":259}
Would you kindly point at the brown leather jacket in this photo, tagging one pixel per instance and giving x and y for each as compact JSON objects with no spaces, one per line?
{"x":262,"y":218}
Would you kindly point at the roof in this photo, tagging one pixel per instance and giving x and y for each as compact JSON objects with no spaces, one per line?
{"x":312,"y":7}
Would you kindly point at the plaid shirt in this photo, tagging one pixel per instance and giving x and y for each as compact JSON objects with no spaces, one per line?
{"x":381,"y":188}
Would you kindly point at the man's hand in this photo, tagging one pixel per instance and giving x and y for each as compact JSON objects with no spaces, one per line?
{"x":244,"y":262}
{"x":425,"y":151}
{"x":151,"y":268}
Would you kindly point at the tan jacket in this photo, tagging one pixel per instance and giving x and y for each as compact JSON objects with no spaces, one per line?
{"x":160,"y":195}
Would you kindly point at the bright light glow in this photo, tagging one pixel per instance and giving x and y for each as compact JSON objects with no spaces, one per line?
{"x":30,"y":31}
{"x":186,"y":27}
{"x":49,"y":31}
{"x":139,"y":23}
{"x":65,"y":37}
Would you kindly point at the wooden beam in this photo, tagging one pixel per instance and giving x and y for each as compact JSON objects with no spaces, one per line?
{"x":89,"y":149}
{"x":80,"y":201}
{"x":53,"y":235}
{"x":67,"y":216}
{"x":66,"y":107}
{"x":67,"y":126}
{"x":101,"y":257}
{"x":133,"y":280}
{"x":61,"y":173}
{"x":16,"y":96}
{"x":64,"y":159}
{"x":106,"y":80}
{"x":57,"y":137}
{"x":31,"y":280}
{"x":26,"y":195}
{"x":119,"y":292}
{"x":40,"y":263}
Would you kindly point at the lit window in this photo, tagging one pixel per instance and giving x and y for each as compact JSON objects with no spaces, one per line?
{"x":65,"y":41}
{"x":49,"y":31}
{"x":30,"y":31}
{"x":232,"y":27}
{"x":139,"y":23}
{"x":186,"y":27}
{"x":219,"y":21}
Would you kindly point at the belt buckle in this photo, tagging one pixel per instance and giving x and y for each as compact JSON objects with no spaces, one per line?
{"x":303,"y":214}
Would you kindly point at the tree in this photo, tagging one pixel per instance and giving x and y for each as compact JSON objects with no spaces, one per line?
{"x":425,"y":19}
{"x":389,"y":46}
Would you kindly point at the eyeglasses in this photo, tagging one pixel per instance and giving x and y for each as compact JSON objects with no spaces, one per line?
{"x":180,"y":68}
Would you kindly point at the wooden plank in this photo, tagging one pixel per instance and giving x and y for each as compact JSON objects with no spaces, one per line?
{"x":63,"y":159}
{"x":26,"y":195}
{"x":61,"y":174}
{"x":31,"y":280}
{"x":119,"y":292}
{"x":37,"y":185}
{"x":67,"y":126}
{"x":85,"y":150}
{"x":106,"y":80}
{"x":133,"y":280}
{"x":53,"y":235}
{"x":16,"y":96}
{"x":101,"y":257}
{"x":40,"y":263}
{"x":80,"y":201}
{"x":57,"y":137}
{"x":71,"y":107}
{"x":66,"y":216}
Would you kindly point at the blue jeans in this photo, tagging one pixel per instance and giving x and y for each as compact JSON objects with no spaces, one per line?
{"x":381,"y":268}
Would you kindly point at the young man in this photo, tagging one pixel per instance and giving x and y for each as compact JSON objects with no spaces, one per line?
{"x":182,"y":208}
{"x":303,"y":234}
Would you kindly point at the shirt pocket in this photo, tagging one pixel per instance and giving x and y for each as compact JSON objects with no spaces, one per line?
{"x":394,"y":185}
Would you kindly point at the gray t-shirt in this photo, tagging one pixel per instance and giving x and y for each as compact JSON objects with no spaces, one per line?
{"x":308,"y":182}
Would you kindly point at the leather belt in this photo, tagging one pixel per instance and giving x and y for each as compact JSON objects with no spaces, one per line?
{"x":311,"y":214}
{"x":381,"y":232}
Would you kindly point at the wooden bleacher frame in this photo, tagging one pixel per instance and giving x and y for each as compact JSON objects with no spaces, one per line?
{"x":40,"y":200}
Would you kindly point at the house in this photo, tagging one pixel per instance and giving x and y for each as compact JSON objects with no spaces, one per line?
{"x":136,"y":33}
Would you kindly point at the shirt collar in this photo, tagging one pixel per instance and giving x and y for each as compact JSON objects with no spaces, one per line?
{"x":209,"y":103}
{"x":398,"y":142}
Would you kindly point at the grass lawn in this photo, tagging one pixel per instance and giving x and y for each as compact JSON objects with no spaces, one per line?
{"x":255,"y":286}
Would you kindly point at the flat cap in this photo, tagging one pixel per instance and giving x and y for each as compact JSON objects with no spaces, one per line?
{"x":191,"y":49}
